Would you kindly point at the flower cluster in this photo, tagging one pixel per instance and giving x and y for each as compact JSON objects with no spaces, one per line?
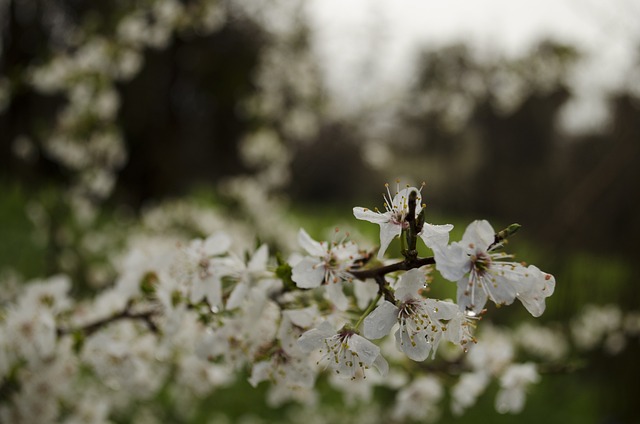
{"x":199,"y":313}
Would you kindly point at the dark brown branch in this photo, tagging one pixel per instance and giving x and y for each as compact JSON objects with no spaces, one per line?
{"x":405,"y":265}
{"x":383,"y":288}
{"x":145,"y":316}
{"x":412,"y":231}
{"x":378,"y":274}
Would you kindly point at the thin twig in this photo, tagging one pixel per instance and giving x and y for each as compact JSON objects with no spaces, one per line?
{"x":405,"y":265}
{"x":88,"y":329}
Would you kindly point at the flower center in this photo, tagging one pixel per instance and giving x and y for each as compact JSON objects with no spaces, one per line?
{"x":408,"y":308}
{"x":398,"y":218}
{"x":481,"y":262}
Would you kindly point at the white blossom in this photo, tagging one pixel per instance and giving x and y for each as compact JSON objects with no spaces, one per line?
{"x":326,"y":264}
{"x":483,"y":275}
{"x":466,"y":391}
{"x":594,"y":324}
{"x":513,"y":384}
{"x":365,"y":292}
{"x":201,"y":273}
{"x":394,"y":220}
{"x":31,"y":332}
{"x":245,"y":274}
{"x":420,"y":327}
{"x":419,"y":400}
{"x":492,"y":353}
{"x":345,"y":351}
{"x":543,"y":342}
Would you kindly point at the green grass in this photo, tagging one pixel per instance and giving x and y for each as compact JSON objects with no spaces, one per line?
{"x":19,"y":250}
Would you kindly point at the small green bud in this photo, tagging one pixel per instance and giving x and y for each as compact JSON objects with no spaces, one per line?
{"x":78,"y":340}
{"x":176,"y":298}
{"x":508,"y":232}
{"x":501,"y":236}
{"x":512,"y":229}
{"x":148,"y":283}
{"x":284,"y":272}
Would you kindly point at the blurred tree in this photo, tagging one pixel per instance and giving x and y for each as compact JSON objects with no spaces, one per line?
{"x":332,"y":169}
{"x":602,"y":181}
{"x":491,"y":126}
{"x":181,"y":115}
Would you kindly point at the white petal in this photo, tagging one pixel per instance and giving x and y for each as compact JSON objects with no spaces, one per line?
{"x":213,"y":291}
{"x":260,"y":372}
{"x":315,"y":337}
{"x":259,"y":259}
{"x":479,"y":233}
{"x":302,"y":318}
{"x":312,"y":247}
{"x":300,"y":375}
{"x":537,"y":286}
{"x":237,"y":295}
{"x":470,"y":297}
{"x":216,"y":244}
{"x":452,"y":261}
{"x":410,"y":283}
{"x":381,"y":365}
{"x":365,"y":214}
{"x":435,"y":235}
{"x":380,"y":322}
{"x":501,"y":289}
{"x":535,"y":305}
{"x":440,"y":309}
{"x":387,"y":233}
{"x":197,"y":292}
{"x":365,"y":291}
{"x":455,"y":329}
{"x":510,"y":400}
{"x":308,"y":273}
{"x":366,"y":350}
{"x":414,"y":346}
{"x":337,"y":296}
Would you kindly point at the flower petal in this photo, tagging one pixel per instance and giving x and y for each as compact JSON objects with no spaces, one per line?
{"x":366,"y":350}
{"x":501,"y":288}
{"x":388,"y":232}
{"x":312,"y":247}
{"x":337,"y":296}
{"x":259,"y":259}
{"x":452,"y":261}
{"x":308,"y":273}
{"x":479,"y":233}
{"x":435,"y":235}
{"x":380,"y":322}
{"x":216,"y":244}
{"x":237,"y":295}
{"x":537,"y":286}
{"x":315,"y":337}
{"x":470,"y":296}
{"x":381,"y":365}
{"x":414,"y":345}
{"x":410,"y":284}
{"x":365,"y":214}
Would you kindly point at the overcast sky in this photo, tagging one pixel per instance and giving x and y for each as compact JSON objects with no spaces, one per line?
{"x":348,"y":30}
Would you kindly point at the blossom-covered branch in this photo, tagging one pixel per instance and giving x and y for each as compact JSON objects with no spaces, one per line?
{"x":199,"y":313}
{"x":127,"y":314}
